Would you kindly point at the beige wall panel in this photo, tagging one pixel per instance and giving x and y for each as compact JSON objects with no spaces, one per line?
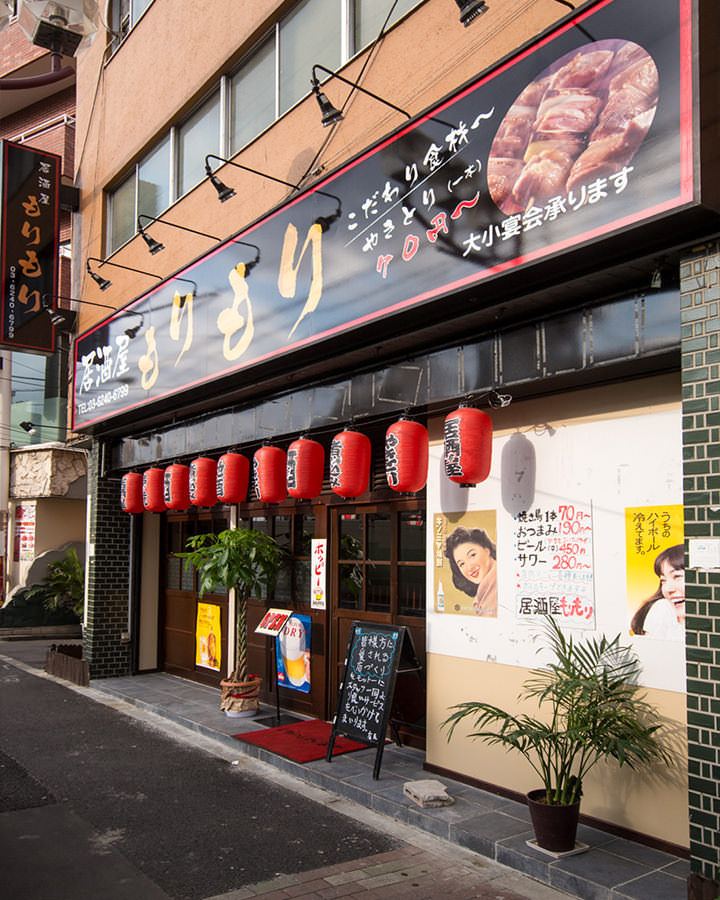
{"x":652,"y":802}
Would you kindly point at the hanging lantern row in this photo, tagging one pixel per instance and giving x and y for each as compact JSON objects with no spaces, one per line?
{"x":299,"y":473}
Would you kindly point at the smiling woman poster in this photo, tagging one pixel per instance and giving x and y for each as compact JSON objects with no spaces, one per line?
{"x":465,"y":571}
{"x":654,"y":549}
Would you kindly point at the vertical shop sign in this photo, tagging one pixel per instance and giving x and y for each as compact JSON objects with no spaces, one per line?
{"x":25,"y":532}
{"x":553,"y":564}
{"x":29,"y":242}
{"x":208,"y":636}
{"x":318,"y":568}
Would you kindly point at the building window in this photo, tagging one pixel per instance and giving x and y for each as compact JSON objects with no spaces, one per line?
{"x":252,"y":97}
{"x":369,"y":17}
{"x":271,"y":79}
{"x":197,"y":137}
{"x":125,"y":14}
{"x":311,"y":33}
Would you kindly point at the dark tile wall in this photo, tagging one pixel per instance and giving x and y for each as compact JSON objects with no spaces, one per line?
{"x":700,"y":301}
{"x":108,"y":576}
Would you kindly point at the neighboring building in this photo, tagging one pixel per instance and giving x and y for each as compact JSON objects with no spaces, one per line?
{"x":46,"y":511}
{"x":521,"y":208}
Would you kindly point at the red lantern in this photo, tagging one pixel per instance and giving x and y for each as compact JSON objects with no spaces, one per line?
{"x":468,"y":446}
{"x":305,"y":463}
{"x":350,"y":463}
{"x":153,"y":489}
{"x":177,"y":487}
{"x":269,"y":474}
{"x":233,"y":472}
{"x":203,"y":481}
{"x":131,"y":493}
{"x":406,"y":456}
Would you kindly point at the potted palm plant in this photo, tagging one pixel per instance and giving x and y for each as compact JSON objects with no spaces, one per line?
{"x":248,"y":561}
{"x":595,"y":710}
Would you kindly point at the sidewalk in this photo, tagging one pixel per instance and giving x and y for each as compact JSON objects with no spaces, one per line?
{"x":613,"y":868}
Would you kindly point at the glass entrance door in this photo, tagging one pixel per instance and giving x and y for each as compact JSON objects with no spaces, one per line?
{"x":378,"y":574}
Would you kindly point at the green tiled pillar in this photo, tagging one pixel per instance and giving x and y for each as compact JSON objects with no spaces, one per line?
{"x":108,"y":577}
{"x":700,"y":299}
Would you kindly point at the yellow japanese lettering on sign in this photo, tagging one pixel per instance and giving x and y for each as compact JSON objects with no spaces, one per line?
{"x":149,"y":364}
{"x":31,"y":206}
{"x":30,"y":265}
{"x":232,"y":320}
{"x":182,"y":306}
{"x":27,"y":297}
{"x":31,"y":232}
{"x":289,"y":265}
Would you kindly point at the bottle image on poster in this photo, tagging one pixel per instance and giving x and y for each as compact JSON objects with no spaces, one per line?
{"x":292,"y":650}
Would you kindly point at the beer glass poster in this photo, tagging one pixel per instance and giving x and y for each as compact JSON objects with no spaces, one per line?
{"x":292,"y":651}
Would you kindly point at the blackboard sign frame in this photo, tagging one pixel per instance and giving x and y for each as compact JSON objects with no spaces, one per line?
{"x":403,"y":650}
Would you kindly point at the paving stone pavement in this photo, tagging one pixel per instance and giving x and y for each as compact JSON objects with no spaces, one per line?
{"x":410,"y":871}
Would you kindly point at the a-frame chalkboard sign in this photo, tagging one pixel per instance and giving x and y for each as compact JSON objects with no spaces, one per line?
{"x":375,"y":654}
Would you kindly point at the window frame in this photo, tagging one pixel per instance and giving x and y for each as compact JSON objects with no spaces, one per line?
{"x":224,"y":89}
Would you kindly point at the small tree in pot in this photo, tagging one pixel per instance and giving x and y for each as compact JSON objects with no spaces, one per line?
{"x":248,"y":561}
{"x":596,"y":711}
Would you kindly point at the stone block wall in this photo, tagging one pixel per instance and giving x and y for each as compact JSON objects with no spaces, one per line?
{"x":700,"y":303}
{"x":108,"y":578}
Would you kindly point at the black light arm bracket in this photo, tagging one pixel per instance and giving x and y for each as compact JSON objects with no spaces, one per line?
{"x":155,"y":246}
{"x":104,"y":283}
{"x":331,"y":115}
{"x":470,"y":10}
{"x":224,"y":192}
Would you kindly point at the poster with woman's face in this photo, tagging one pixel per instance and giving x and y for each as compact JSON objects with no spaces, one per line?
{"x":655,"y":553}
{"x":465,"y":563}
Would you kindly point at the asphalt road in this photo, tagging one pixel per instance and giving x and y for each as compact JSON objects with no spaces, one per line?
{"x":93,"y":800}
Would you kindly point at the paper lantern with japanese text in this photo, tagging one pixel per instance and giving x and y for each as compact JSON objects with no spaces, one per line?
{"x":177,"y":487}
{"x":350,"y":463}
{"x":203,"y":481}
{"x":269,"y":474}
{"x":407,"y":448}
{"x":233,"y":474}
{"x":131,"y":493}
{"x":468,"y":446}
{"x":305,"y":464}
{"x":153,"y":489}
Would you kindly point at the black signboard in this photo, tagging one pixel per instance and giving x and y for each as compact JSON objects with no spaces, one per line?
{"x":29,"y":235}
{"x":375,"y":654}
{"x":585,"y":134}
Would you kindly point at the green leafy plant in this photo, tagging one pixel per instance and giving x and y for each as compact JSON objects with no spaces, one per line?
{"x":239,"y":558}
{"x":63,"y":588}
{"x":595,"y":711}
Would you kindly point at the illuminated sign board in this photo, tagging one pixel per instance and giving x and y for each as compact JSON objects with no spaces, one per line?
{"x":29,"y":226}
{"x":585,"y":134}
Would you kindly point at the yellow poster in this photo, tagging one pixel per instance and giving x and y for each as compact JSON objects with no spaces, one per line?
{"x":207,"y":636}
{"x":465,"y":563}
{"x":655,"y":554}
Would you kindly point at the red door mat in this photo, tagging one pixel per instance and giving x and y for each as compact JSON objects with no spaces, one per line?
{"x":300,"y":741}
